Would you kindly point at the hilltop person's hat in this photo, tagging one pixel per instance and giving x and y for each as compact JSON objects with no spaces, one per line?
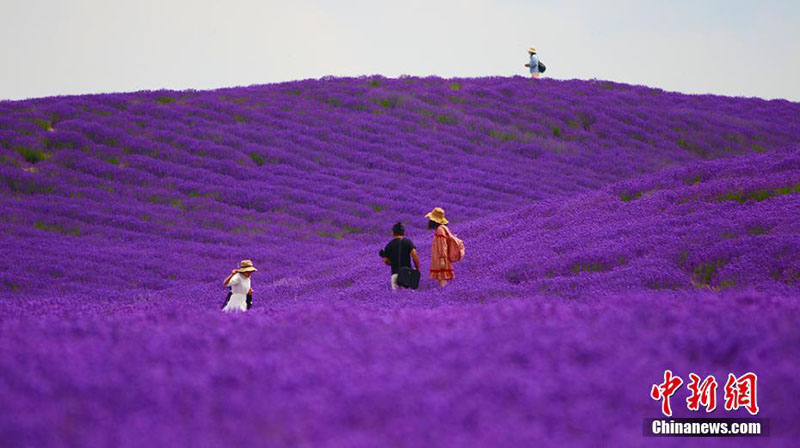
{"x":246,"y":266}
{"x":532,"y":50}
{"x":437,"y":215}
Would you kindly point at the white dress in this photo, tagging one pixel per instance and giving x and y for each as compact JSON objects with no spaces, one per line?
{"x":240,"y":285}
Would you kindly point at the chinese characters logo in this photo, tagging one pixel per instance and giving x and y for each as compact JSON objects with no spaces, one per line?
{"x":740,"y":392}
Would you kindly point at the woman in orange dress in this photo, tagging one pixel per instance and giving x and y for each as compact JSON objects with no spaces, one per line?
{"x":441,"y":266}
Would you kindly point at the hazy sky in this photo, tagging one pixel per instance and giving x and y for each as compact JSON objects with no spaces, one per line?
{"x":731,"y":47}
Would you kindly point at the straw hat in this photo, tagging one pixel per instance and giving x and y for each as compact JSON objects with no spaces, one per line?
{"x":437,"y":215}
{"x":532,"y":50}
{"x":246,"y":266}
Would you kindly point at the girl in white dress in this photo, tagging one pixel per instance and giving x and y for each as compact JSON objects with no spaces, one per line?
{"x":239,"y":281}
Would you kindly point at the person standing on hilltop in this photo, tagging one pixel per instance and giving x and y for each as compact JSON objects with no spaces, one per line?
{"x":446,"y":247}
{"x":398,"y":254}
{"x":534,"y":65}
{"x":240,"y":298}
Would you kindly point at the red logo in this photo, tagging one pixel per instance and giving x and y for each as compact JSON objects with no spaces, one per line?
{"x":704,"y":393}
{"x":665,"y":390}
{"x":740,"y":392}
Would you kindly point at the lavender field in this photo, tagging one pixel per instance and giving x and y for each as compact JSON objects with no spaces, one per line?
{"x":612,"y":232}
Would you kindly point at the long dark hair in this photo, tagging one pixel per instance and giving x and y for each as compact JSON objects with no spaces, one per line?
{"x":433,"y":224}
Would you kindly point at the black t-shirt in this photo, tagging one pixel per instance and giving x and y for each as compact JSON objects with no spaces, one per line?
{"x":398,"y":251}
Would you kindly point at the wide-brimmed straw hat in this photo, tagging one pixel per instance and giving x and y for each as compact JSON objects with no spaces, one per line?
{"x":532,"y":50}
{"x":437,"y":215}
{"x":246,"y":266}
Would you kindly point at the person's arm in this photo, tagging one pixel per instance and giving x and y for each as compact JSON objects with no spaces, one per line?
{"x":415,"y":257}
{"x":229,"y":277}
{"x":383,"y":253}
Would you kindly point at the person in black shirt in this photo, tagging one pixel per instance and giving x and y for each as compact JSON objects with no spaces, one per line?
{"x":399,"y":253}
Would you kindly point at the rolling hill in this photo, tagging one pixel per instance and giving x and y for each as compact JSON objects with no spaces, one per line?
{"x":612,"y":232}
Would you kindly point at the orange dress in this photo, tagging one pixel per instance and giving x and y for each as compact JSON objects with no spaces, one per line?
{"x":441,"y":266}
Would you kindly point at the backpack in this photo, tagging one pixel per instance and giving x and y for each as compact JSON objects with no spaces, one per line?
{"x":408,"y":278}
{"x":455,"y":247}
{"x":542,"y":67}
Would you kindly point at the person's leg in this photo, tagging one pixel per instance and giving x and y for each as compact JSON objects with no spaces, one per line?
{"x":442,"y":283}
{"x":537,"y":75}
{"x":394,"y":282}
